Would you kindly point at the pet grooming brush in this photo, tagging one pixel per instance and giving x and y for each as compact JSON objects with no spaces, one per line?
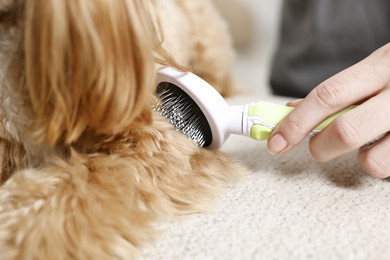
{"x":197,"y":110}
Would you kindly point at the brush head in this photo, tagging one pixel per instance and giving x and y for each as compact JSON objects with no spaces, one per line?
{"x":193,"y":106}
{"x":182,"y":112}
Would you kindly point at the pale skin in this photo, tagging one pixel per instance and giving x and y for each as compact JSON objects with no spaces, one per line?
{"x":366,"y":83}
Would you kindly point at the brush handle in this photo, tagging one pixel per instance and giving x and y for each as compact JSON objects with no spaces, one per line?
{"x":261,"y":118}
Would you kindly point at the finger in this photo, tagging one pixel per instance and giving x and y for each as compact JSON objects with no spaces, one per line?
{"x":353,"y":129}
{"x":374,"y":159}
{"x":340,"y":91}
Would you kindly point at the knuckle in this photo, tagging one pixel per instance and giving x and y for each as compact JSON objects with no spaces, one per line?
{"x":383,"y":57}
{"x":345,"y":133}
{"x":317,"y":154}
{"x":329,"y":94}
{"x":292,"y":128}
{"x":372,"y":164}
{"x":384,"y":52}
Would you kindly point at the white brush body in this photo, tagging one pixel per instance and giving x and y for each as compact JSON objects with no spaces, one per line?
{"x":223,"y":119}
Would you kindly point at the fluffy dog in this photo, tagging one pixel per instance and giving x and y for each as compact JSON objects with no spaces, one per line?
{"x":86,"y":166}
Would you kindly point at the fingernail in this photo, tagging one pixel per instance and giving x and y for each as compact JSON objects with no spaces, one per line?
{"x":294,"y":102}
{"x":276,"y":144}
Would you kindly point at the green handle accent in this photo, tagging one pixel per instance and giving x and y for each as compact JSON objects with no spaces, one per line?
{"x":271,"y":114}
{"x":259,"y":132}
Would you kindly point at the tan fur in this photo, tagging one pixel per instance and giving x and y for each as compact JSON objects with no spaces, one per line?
{"x":86,"y":166}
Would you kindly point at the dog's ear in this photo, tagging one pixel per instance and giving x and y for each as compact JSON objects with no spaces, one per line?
{"x":89,"y":64}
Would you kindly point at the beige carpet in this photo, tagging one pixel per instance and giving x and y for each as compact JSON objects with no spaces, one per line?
{"x":289,"y":207}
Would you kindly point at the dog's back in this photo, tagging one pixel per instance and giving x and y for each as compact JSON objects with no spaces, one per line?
{"x":86,"y":165}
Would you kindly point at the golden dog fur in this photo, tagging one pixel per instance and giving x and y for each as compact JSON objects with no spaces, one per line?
{"x":86,"y":166}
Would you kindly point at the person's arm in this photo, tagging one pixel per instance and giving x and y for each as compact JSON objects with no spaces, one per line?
{"x":366,"y":83}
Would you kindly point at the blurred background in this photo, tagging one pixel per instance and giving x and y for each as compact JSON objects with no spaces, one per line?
{"x":254,"y":25}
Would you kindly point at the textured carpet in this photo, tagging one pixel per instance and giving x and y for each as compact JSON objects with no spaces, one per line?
{"x":288,"y":207}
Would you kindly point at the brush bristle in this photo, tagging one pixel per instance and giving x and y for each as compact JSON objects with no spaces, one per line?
{"x":183,"y":113}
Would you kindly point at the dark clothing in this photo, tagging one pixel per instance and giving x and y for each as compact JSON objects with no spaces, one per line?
{"x":319,"y":38}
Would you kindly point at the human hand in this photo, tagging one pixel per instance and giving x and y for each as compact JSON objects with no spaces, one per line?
{"x":366,"y":83}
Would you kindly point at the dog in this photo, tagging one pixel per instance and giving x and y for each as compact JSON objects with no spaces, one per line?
{"x":87,"y":167}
